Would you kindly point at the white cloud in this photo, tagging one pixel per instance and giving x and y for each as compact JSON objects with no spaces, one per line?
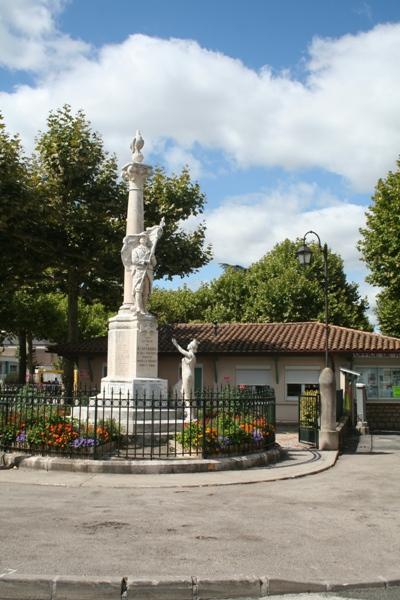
{"x":30,"y":40}
{"x":344,"y":117}
{"x":244,"y":228}
{"x":176,"y":158}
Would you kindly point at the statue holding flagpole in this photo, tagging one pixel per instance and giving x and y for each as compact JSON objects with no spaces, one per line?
{"x":138,"y":256}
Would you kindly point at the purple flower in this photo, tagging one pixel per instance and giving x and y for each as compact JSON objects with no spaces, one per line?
{"x":21,"y":437}
{"x":224,"y":442}
{"x":257,"y":435}
{"x":82,"y":442}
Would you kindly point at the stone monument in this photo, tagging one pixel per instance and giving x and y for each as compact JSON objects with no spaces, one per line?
{"x":132,"y":358}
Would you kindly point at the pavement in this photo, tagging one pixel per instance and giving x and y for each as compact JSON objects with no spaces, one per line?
{"x":297,"y":460}
{"x":205,"y":535}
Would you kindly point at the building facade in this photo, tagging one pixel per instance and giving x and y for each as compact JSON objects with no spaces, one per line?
{"x":286,"y":356}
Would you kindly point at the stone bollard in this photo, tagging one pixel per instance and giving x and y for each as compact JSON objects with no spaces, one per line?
{"x":328,"y":436}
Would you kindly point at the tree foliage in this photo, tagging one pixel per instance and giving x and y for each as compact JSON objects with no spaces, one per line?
{"x":388,"y":311}
{"x":178,"y":306}
{"x":176,"y":198}
{"x":380,"y":248}
{"x":274,"y":289}
{"x":86,"y":209}
{"x":22,"y":219}
{"x":380,"y":243}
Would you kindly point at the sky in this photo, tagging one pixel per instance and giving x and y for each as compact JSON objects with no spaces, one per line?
{"x":286,"y":111}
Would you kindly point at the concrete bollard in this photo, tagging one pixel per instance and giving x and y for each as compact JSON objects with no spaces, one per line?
{"x":328,"y":436}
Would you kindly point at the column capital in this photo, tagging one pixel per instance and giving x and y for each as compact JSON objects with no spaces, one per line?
{"x":135,"y":174}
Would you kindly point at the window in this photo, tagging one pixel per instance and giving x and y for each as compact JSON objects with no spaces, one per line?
{"x":299,"y":381}
{"x":13,"y":368}
{"x":254,"y":379}
{"x":381,"y":382}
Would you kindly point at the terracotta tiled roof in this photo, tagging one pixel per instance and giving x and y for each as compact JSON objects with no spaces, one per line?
{"x":256,"y":338}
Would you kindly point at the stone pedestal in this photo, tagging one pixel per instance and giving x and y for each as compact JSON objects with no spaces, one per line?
{"x":132,"y":368}
{"x":328,"y":436}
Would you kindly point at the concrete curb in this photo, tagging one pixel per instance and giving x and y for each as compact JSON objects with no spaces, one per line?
{"x":143,"y":467}
{"x":14,"y":587}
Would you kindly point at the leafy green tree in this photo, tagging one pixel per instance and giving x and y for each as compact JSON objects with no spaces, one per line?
{"x":388,"y":311}
{"x":21,"y":217}
{"x":86,"y":209}
{"x":179,"y":306}
{"x":23,"y":229}
{"x":276,"y":289}
{"x":176,"y":198}
{"x":380,"y":248}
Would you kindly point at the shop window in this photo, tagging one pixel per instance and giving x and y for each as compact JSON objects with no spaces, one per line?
{"x":381,"y":383}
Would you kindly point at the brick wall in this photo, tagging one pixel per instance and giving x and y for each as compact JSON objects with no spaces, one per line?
{"x":383,"y":416}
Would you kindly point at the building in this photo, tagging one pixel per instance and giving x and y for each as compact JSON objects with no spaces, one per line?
{"x":287,"y":356}
{"x":9,"y":357}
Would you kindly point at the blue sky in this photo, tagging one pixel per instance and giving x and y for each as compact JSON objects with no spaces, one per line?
{"x":285,"y":110}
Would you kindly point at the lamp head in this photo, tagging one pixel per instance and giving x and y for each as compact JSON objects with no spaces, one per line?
{"x":304,"y":255}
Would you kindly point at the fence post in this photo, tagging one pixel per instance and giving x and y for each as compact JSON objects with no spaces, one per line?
{"x":203,"y":441}
{"x":95,"y":427}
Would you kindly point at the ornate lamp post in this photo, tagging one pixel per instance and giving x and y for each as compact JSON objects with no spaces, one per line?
{"x":304,"y":254}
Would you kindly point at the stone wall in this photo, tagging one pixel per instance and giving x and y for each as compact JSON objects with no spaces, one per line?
{"x":383,"y":416}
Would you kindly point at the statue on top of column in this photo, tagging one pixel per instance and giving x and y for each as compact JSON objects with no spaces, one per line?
{"x":136,"y":147}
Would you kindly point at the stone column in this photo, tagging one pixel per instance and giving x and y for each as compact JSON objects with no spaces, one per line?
{"x":328,"y":436}
{"x":135,"y":174}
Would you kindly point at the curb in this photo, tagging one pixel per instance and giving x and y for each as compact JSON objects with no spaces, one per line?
{"x":185,"y":588}
{"x":143,"y":467}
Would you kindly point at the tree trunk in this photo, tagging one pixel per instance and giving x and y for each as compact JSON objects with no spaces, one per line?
{"x":30,"y":361}
{"x":73,"y":295}
{"x":22,"y":357}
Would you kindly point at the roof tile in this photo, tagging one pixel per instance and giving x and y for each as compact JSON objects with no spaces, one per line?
{"x":255,"y":338}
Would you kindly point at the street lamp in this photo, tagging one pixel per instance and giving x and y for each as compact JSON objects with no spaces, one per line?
{"x":304,"y":254}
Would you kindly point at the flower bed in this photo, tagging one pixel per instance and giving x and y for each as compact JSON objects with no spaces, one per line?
{"x":56,"y":433}
{"x":226,"y":433}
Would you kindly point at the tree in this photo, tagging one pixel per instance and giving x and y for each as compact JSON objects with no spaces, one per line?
{"x":388,"y":311}
{"x":179,"y":306}
{"x":380,"y":248}
{"x":23,"y":256}
{"x":21,"y":222}
{"x":276,"y":289}
{"x":177,"y":199}
{"x":86,"y":209}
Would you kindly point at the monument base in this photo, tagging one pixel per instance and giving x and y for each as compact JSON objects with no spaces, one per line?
{"x":142,"y":388}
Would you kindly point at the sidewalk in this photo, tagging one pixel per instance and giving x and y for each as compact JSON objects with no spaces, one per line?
{"x":298,"y":461}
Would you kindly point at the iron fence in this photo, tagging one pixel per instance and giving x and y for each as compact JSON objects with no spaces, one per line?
{"x":309,"y":417}
{"x":42,"y":420}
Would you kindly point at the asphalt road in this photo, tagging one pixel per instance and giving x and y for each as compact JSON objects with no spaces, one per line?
{"x":340,"y":525}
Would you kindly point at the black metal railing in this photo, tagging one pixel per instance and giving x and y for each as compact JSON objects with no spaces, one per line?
{"x":309,"y":417}
{"x":42,"y":420}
